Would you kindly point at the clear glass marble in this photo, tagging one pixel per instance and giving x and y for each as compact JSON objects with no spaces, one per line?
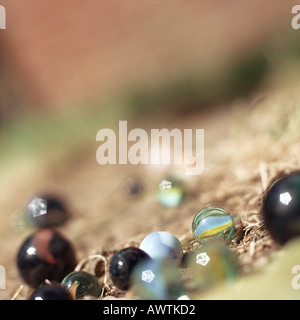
{"x":170,"y":193}
{"x":211,"y":264}
{"x":157,"y":279}
{"x":213,"y":223}
{"x":80,"y":284}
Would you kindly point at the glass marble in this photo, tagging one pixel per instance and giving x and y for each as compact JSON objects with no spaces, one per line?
{"x":157,"y":279}
{"x":46,"y":254}
{"x":281,"y":208}
{"x":122,"y":265}
{"x":162,"y":245}
{"x":50,"y":292}
{"x":170,"y":193}
{"x":132,"y":187}
{"x":46,"y":211}
{"x":80,"y":284}
{"x":213,"y":223}
{"x":211,"y":264}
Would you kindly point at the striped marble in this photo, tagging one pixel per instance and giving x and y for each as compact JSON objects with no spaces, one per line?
{"x":213,"y":222}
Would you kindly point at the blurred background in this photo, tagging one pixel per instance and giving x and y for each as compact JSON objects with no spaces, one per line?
{"x":69,"y":68}
{"x":93,"y":60}
{"x":69,"y":54}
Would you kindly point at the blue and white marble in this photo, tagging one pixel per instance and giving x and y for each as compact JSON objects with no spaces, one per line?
{"x":162,"y":245}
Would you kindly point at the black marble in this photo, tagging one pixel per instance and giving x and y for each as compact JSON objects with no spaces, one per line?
{"x":50,"y":292}
{"x":45,"y":255}
{"x":122,"y":265}
{"x":281,"y":208}
{"x":46,"y":211}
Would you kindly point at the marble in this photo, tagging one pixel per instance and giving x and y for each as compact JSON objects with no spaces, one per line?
{"x":213,"y":263}
{"x":281,"y":208}
{"x":122,"y":264}
{"x":162,"y":245}
{"x":80,"y":284}
{"x":157,"y":279}
{"x":213,"y":223}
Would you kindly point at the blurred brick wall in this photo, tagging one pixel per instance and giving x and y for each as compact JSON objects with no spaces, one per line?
{"x":65,"y":51}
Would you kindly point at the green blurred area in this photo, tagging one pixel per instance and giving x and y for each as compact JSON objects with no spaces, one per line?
{"x":201,"y":89}
{"x":279,"y":280}
{"x":38,"y":132}
{"x":52,"y":135}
